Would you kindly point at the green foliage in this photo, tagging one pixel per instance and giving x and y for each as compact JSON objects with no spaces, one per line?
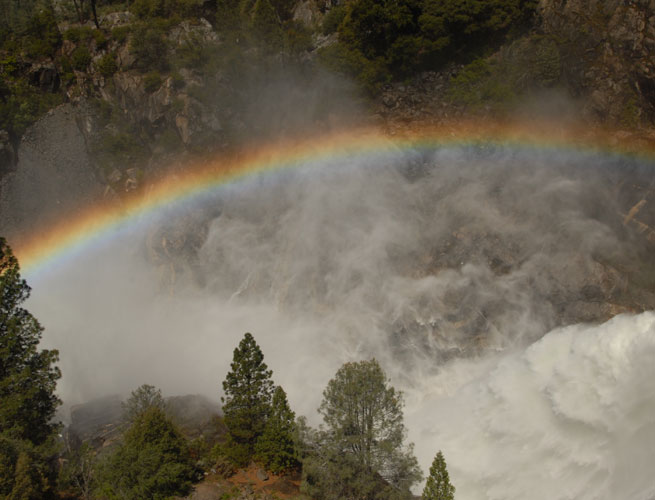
{"x":276,"y":448}
{"x":27,"y":375}
{"x":107,"y":65}
{"x":480,"y":84}
{"x":78,"y":472}
{"x":119,"y":149}
{"x":152,"y":462}
{"x":120,"y":33}
{"x":77,"y":34}
{"x":266,"y":25}
{"x":150,"y":47}
{"x":361,"y":453}
{"x":27,"y":385}
{"x":145,"y":9}
{"x":81,"y":58}
{"x":333,"y":19}
{"x":247,"y":401}
{"x":438,"y":485}
{"x":23,"y":103}
{"x":28,"y":482}
{"x":401,"y":37}
{"x":297,"y":37}
{"x":142,"y":399}
{"x":42,"y":37}
{"x":152,"y":81}
{"x":228,"y":19}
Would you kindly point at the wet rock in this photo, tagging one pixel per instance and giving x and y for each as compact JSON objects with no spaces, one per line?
{"x":53,"y":177}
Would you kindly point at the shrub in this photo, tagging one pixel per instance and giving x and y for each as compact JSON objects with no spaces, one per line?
{"x":333,"y":19}
{"x":120,"y":33}
{"x":150,"y":48}
{"x":152,"y":81}
{"x":81,"y":58}
{"x":107,"y":65}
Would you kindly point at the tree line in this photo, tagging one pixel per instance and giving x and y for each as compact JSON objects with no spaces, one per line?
{"x":359,"y":451}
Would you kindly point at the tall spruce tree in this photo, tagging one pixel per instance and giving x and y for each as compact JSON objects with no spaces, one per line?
{"x":438,"y":486}
{"x":276,"y":447}
{"x":28,"y":379}
{"x":247,"y":402}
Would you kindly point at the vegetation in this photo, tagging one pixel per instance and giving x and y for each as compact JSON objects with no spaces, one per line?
{"x":276,"y":448}
{"x":361,"y":454}
{"x":142,"y":399}
{"x":438,"y":485}
{"x":152,"y":462}
{"x":247,"y":402}
{"x":28,"y":379}
{"x":381,"y":40}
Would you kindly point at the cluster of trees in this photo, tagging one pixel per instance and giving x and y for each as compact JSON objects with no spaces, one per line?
{"x":359,"y":452}
{"x":387,"y":39}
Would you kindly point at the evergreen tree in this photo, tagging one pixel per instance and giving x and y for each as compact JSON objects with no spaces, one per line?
{"x":438,"y":486}
{"x":142,"y":398}
{"x":27,"y":389}
{"x":152,"y":462}
{"x":361,"y":454}
{"x":28,"y":483}
{"x":247,"y":401}
{"x":276,"y":448}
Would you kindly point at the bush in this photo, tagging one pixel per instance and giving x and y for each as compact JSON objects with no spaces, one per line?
{"x":298,"y":38}
{"x":121,"y":33}
{"x":333,"y":19}
{"x":78,"y":34}
{"x":42,"y":37}
{"x":107,"y":65}
{"x":150,"y":47}
{"x":152,"y":81}
{"x":81,"y":58}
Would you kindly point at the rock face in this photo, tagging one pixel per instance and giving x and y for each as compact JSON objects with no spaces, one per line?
{"x":610,"y":53}
{"x":54,"y":175}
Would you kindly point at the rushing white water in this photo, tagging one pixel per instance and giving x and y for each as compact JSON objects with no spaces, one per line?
{"x":570,"y":417}
{"x":450,"y":271}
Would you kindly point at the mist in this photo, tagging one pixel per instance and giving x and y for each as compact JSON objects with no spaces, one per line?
{"x":450,"y":267}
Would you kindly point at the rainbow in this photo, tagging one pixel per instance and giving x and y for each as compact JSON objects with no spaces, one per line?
{"x":72,"y":235}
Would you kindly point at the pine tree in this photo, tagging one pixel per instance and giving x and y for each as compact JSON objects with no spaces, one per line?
{"x":361,"y":453}
{"x":438,"y":486}
{"x":27,"y":377}
{"x":276,"y":448}
{"x":152,"y":462}
{"x":27,"y":390}
{"x":28,"y":483}
{"x":142,"y":398}
{"x":247,"y":401}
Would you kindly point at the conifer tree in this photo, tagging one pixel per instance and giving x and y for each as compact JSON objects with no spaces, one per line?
{"x":438,"y":486}
{"x":276,"y":448}
{"x":152,"y":462}
{"x":361,"y":453}
{"x":142,"y":398}
{"x":28,"y":379}
{"x":247,"y":401}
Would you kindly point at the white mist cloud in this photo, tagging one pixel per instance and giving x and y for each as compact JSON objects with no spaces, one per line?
{"x":438,"y":264}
